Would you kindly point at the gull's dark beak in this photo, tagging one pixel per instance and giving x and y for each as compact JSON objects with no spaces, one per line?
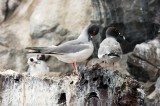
{"x":124,"y":38}
{"x":90,"y":37}
{"x":37,"y":62}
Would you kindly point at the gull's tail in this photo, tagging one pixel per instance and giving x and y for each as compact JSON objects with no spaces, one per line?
{"x":36,"y":49}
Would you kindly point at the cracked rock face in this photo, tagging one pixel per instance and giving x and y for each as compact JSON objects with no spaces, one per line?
{"x":144,"y":62}
{"x":95,"y":87}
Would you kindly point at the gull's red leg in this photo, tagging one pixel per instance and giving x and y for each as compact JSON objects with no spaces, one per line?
{"x":74,"y":64}
{"x":113,"y":65}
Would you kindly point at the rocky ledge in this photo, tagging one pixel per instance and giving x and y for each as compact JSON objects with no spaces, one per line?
{"x":95,"y":87}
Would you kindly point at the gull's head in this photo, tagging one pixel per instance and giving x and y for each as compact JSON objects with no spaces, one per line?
{"x":33,"y":61}
{"x":114,"y":32}
{"x":92,"y":31}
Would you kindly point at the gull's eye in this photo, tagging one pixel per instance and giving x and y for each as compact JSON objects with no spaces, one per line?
{"x":31,"y":59}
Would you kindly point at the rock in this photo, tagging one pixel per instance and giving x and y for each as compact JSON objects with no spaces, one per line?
{"x":58,"y":66}
{"x":45,"y":20}
{"x":144,"y":62}
{"x":13,"y":59}
{"x":157,"y":85}
{"x":6,"y":39}
{"x":11,"y":6}
{"x":154,"y":96}
{"x":2,"y":10}
{"x":7,"y":8}
{"x":95,"y":86}
{"x":45,"y":23}
{"x":149,"y":87}
{"x":137,"y":20}
{"x":20,"y":15}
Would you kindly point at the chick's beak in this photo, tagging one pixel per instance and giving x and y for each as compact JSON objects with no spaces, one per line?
{"x":89,"y":37}
{"x":37,"y":62}
{"x":124,"y":38}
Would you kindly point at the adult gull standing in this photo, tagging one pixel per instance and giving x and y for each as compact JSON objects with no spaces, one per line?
{"x":110,"y":50}
{"x":72,"y":51}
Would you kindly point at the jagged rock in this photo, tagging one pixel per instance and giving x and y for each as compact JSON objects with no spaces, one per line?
{"x":95,"y":86}
{"x":144,"y":62}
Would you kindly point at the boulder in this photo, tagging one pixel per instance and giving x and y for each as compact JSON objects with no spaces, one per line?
{"x":144,"y":62}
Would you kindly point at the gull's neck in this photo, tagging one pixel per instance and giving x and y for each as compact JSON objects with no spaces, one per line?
{"x":84,"y":35}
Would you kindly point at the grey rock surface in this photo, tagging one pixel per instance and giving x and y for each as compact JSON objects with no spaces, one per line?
{"x":144,"y":62}
{"x":95,"y":87}
{"x":154,"y":97}
{"x":157,"y":85}
{"x":2,"y":10}
{"x":7,"y":8}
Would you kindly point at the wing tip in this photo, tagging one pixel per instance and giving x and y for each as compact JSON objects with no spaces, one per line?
{"x":28,"y":47}
{"x":33,"y":52}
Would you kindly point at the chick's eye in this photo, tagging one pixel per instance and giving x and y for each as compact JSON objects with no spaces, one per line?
{"x":31,"y":59}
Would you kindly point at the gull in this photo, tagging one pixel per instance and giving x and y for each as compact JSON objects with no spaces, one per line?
{"x":110,"y":50}
{"x":37,"y":67}
{"x":72,"y":51}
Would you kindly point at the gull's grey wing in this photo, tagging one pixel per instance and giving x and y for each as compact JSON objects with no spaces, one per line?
{"x":72,"y":42}
{"x":64,"y":49}
{"x":67,"y":47}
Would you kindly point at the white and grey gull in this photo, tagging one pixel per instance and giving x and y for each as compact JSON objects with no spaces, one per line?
{"x":37,"y":66}
{"x":110,"y":50}
{"x":72,"y":51}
